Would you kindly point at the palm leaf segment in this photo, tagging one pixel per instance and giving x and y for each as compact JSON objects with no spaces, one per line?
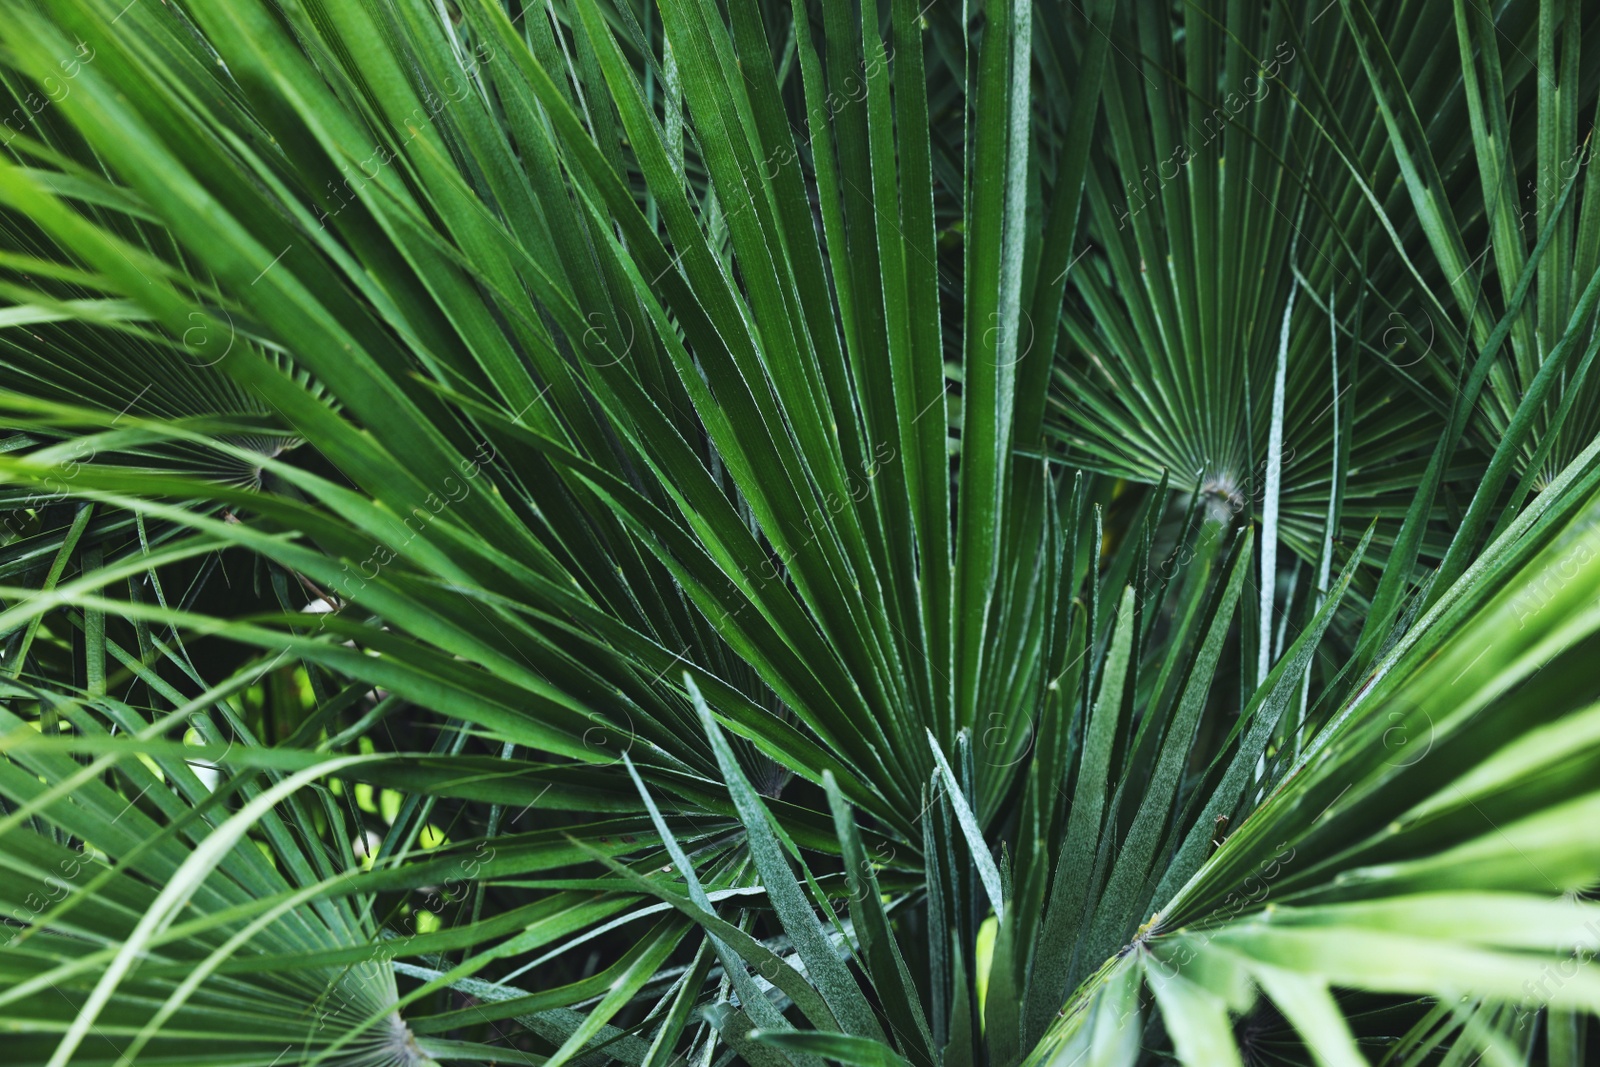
{"x":629,"y":346}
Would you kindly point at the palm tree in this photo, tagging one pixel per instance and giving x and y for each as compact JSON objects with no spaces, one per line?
{"x":688,"y":533}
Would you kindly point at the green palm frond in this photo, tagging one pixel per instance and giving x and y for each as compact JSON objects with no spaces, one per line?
{"x":719,"y":534}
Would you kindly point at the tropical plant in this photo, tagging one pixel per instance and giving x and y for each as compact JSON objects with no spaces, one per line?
{"x":687,"y":533}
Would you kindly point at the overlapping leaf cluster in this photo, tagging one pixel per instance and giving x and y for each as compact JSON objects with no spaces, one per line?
{"x":682,"y":533}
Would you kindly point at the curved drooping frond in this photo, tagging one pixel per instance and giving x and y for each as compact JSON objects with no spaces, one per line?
{"x":131,"y":936}
{"x":63,"y":339}
{"x":679,"y":635}
{"x":1420,"y":819}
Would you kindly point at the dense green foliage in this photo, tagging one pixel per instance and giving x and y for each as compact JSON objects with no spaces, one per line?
{"x":689,"y":532}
